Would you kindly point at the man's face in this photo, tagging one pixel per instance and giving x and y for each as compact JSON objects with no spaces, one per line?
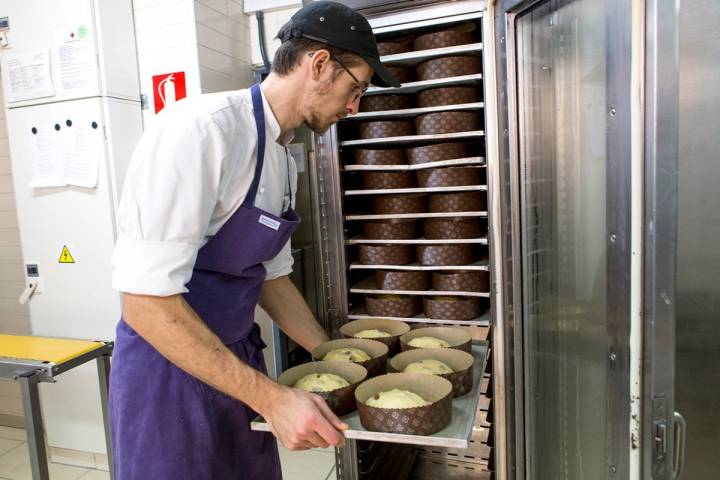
{"x":336,"y":94}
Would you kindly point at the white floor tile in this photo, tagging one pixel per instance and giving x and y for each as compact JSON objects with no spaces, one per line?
{"x":15,"y":465}
{"x":307,"y":464}
{"x":95,"y":475}
{"x":7,"y":445}
{"x":9,"y":433}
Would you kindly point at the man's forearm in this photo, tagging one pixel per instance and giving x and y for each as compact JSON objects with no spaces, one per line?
{"x":171,"y":326}
{"x":283,"y":302}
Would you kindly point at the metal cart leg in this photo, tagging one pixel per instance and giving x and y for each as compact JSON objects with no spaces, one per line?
{"x":350,"y":460}
{"x":34,"y":425}
{"x":103,"y":364}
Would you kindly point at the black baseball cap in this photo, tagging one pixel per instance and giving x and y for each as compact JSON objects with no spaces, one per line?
{"x":338,"y":25}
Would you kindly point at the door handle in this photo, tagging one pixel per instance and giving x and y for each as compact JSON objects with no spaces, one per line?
{"x":679,"y":433}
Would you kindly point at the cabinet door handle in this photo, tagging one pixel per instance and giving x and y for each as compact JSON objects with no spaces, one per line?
{"x":679,"y":433}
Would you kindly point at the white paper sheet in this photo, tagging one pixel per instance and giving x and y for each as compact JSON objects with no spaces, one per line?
{"x":27,"y":76}
{"x":76,"y":67}
{"x":70,"y":156}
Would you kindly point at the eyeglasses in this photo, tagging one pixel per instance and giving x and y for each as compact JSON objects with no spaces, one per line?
{"x":357,"y":82}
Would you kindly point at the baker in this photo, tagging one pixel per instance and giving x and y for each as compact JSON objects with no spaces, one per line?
{"x":204,"y":230}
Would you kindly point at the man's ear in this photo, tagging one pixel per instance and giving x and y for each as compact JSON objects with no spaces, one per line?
{"x":319,"y":62}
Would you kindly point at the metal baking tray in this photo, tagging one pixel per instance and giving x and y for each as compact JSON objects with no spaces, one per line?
{"x":482,"y":321}
{"x":414,"y":112}
{"x":420,"y":85}
{"x":455,"y":435}
{"x":391,"y":191}
{"x":414,"y":138}
{"x":479,"y":161}
{"x":412,"y":59}
{"x":387,"y":216}
{"x":479,"y":265}
{"x":360,"y":240}
{"x":367,"y":285}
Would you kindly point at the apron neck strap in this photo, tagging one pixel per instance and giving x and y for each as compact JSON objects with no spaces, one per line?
{"x":259,"y":114}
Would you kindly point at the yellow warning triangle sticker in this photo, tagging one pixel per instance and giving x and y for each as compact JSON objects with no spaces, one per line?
{"x":66,"y":256}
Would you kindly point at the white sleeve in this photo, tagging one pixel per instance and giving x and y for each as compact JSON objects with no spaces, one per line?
{"x":281,"y":264}
{"x":170,"y":193}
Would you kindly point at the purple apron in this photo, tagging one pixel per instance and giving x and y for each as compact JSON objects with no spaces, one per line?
{"x":168,"y":425}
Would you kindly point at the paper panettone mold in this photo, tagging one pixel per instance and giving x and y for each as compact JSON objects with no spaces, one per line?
{"x":394,"y":328}
{"x":452,"y":308}
{"x":392,"y":229}
{"x":444,"y":255}
{"x":467,"y":281}
{"x":386,"y":128}
{"x":435,"y":97}
{"x":436,"y":153}
{"x":449,"y":177}
{"x":397,"y":204}
{"x":457,"y":337}
{"x":340,"y":401}
{"x":424,"y":420}
{"x":460,"y":362}
{"x":391,"y":156}
{"x":451,"y":228}
{"x":404,"y":306}
{"x":458,"y":35}
{"x":402,"y":280}
{"x":377,"y":103}
{"x":456,"y":202}
{"x":446,"y":122}
{"x":377,"y":351}
{"x":385,"y":180}
{"x":403,"y":74}
{"x":395,"y":46}
{"x":386,"y":254}
{"x":445,"y":67}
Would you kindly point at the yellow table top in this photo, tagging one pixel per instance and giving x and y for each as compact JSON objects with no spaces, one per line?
{"x":44,"y":349}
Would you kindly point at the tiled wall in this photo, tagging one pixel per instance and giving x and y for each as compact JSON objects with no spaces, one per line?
{"x":14,"y":318}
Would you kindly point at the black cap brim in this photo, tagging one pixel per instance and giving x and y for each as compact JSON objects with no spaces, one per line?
{"x":382,"y":76}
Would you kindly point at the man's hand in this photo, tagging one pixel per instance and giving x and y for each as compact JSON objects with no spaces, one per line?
{"x":302,"y":420}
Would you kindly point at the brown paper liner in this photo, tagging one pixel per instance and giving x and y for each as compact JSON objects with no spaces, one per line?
{"x":456,"y":202}
{"x":410,"y":421}
{"x":395,"y":328}
{"x":451,"y":228}
{"x":436,"y":153}
{"x":402,"y":280}
{"x":394,"y":204}
{"x":445,"y":67}
{"x":384,"y":180}
{"x":403,"y":74}
{"x":386,"y":254}
{"x":461,"y":281}
{"x":449,"y":177}
{"x":378,"y":351}
{"x":386,"y":128}
{"x":404,"y":306}
{"x":340,"y":401}
{"x":457,"y":337}
{"x":393,"y":47}
{"x":448,"y":96}
{"x":446,"y":122}
{"x":461,"y":363}
{"x":366,"y":156}
{"x":393,"y":229}
{"x":377,"y":103}
{"x":443,"y":255}
{"x":459,"y":35}
{"x":459,"y":308}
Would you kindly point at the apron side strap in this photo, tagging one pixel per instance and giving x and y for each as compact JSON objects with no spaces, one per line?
{"x":259,"y":114}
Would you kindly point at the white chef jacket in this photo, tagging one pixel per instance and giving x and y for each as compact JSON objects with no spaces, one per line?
{"x":189,"y":173}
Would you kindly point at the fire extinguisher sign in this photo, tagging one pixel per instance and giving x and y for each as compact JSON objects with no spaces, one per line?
{"x":168,"y":88}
